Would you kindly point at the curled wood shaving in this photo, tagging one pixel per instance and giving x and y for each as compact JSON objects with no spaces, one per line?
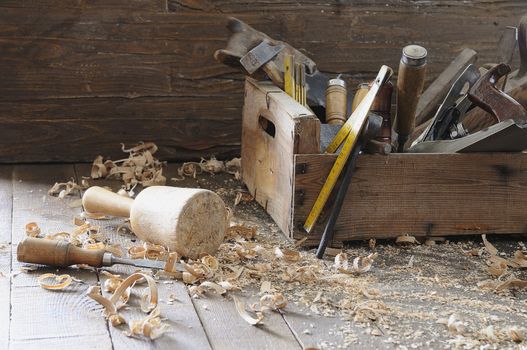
{"x":490,"y":248}
{"x":516,"y":334}
{"x":32,"y":229}
{"x":211,"y":262}
{"x":229,"y":286}
{"x":171,"y":262}
{"x":360,"y":264}
{"x":149,"y":301}
{"x":148,"y":251}
{"x":110,"y":311}
{"x":273,"y":301}
{"x":196,"y":291}
{"x":287,"y":254}
{"x":240,"y":307}
{"x":61,"y":281}
{"x":151,"y":326}
{"x":406,"y":240}
{"x":519,"y":259}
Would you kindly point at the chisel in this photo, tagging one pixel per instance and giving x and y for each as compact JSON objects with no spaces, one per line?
{"x":60,"y":253}
{"x":410,"y":81}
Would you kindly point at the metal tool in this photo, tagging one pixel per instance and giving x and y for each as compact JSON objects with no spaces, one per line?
{"x":410,"y":82}
{"x":452,"y":109}
{"x":260,"y":55}
{"x":504,"y":136}
{"x":244,"y":38}
{"x":485,"y":95}
{"x":336,"y":101}
{"x":348,"y":135}
{"x":438,"y":89}
{"x":371,"y":128}
{"x":60,"y":253}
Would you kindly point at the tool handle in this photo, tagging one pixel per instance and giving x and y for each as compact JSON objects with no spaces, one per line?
{"x":410,"y":83}
{"x":57,"y":253}
{"x":102,"y":201}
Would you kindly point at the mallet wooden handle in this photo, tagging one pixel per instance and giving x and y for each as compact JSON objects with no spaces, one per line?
{"x":101,"y":201}
{"x":57,"y":253}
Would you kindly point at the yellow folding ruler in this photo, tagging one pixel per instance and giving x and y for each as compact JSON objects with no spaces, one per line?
{"x":349,"y":134}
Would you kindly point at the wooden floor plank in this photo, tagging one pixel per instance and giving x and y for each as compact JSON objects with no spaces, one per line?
{"x":186,"y":331}
{"x":224,"y":326}
{"x":41,"y":318}
{"x":227,"y":330}
{"x":6,"y":200}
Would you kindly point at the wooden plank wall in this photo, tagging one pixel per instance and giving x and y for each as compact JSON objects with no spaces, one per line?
{"x":77,"y":77}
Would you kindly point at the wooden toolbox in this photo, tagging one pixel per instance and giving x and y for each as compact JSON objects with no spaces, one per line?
{"x":416,"y":194}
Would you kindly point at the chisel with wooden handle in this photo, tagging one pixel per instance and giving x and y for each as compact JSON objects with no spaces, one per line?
{"x":410,"y":82}
{"x":60,"y":253}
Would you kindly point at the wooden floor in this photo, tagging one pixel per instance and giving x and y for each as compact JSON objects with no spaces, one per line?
{"x":34,"y":318}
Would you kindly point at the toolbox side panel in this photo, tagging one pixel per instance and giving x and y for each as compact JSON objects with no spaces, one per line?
{"x":419,"y":194}
{"x":272,"y":132}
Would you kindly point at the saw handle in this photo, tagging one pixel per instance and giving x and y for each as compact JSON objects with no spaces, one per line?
{"x":57,"y":253}
{"x":97,"y":200}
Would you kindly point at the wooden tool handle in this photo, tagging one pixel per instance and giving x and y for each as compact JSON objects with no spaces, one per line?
{"x":57,"y":253}
{"x":101,"y":201}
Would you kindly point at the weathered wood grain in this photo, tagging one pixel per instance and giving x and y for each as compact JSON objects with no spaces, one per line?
{"x":186,"y":331}
{"x":49,"y":319}
{"x":275,"y":128}
{"x":6,"y":198}
{"x":422,"y":195}
{"x":117,"y":49}
{"x":225,"y":327}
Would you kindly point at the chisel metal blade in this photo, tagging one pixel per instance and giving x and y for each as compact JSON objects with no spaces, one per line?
{"x":150,"y":264}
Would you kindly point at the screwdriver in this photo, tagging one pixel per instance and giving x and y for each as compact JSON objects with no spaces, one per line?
{"x":60,"y":253}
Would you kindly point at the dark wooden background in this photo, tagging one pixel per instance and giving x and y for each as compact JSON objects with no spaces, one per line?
{"x":77,"y":77}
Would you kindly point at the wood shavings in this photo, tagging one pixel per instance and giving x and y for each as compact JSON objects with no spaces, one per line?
{"x":360,"y":264}
{"x":149,"y":301}
{"x":110,"y":311}
{"x":516,"y":334}
{"x":273,"y":301}
{"x":490,"y":248}
{"x":406,"y":240}
{"x":211,"y":262}
{"x":63,"y":189}
{"x":212,"y":166}
{"x":241,"y":231}
{"x":59,"y":281}
{"x":287,"y":254}
{"x":148,"y":251}
{"x":151,"y":326}
{"x":32,"y":229}
{"x":170,"y":264}
{"x":140,"y":168}
{"x":240,"y":307}
{"x":371,"y":310}
{"x":519,"y":259}
{"x":455,"y":325}
{"x":371,"y":293}
{"x":196,"y":291}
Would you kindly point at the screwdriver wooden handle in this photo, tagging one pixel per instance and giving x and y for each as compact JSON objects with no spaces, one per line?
{"x":102,"y":201}
{"x":57,"y":253}
{"x":410,"y":82}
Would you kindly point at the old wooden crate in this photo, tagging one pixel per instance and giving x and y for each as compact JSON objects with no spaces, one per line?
{"x":417,"y":194}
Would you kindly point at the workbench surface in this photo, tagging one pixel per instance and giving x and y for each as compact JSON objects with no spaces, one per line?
{"x":416,"y":286}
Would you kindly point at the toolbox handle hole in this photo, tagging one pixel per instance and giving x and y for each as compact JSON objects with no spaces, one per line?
{"x":267,"y":125}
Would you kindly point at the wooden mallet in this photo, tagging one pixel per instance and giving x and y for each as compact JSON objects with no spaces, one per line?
{"x":189,"y":221}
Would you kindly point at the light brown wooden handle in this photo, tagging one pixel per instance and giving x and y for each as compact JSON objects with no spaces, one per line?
{"x":101,"y":201}
{"x":57,"y":253}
